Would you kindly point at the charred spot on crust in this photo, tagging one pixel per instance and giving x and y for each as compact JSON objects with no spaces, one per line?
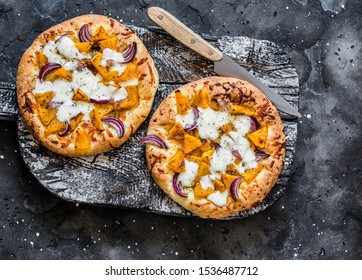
{"x":144,"y":75}
{"x":111,"y":21}
{"x":143,"y":60}
{"x":151,"y":72}
{"x":28,"y":105}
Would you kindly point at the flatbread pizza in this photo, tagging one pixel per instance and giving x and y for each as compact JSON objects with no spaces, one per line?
{"x":216,"y":146}
{"x":85,"y":85}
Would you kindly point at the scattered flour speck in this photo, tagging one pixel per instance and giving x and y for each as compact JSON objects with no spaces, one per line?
{"x":309,"y":116}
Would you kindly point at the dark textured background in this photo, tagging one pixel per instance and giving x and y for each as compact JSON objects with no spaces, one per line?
{"x":318,"y":217}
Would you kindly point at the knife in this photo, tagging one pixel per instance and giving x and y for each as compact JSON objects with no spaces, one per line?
{"x":223,"y":65}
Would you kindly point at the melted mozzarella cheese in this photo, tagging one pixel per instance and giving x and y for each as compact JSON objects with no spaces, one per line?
{"x":220,"y":159}
{"x":206,"y":182}
{"x":66,"y":47}
{"x":210,"y":122}
{"x":71,"y":109}
{"x":120,"y":94}
{"x":219,"y":198}
{"x":132,"y":82}
{"x":112,"y":55}
{"x":188,"y":176}
{"x":186,"y":120}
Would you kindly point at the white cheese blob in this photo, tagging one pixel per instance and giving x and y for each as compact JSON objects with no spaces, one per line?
{"x":120,"y":94}
{"x":206,"y":182}
{"x":210,"y":122}
{"x":186,"y":120}
{"x":66,"y":48}
{"x":132,"y":82}
{"x":112,"y":55}
{"x":71,"y":109}
{"x":219,"y":198}
{"x":241,"y":124}
{"x":188,"y":176}
{"x":62,"y":89}
{"x":220,"y":159}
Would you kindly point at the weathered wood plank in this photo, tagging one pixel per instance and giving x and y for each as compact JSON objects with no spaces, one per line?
{"x":120,"y":177}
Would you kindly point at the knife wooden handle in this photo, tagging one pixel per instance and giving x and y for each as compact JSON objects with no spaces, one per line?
{"x":183,"y":34}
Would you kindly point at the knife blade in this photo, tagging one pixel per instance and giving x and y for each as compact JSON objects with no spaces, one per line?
{"x":223,"y":65}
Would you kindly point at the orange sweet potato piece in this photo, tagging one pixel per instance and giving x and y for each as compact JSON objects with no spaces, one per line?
{"x":201,"y":98}
{"x":235,"y":109}
{"x":96,"y":62}
{"x":200,"y":192}
{"x":104,"y":109}
{"x":226,"y":128}
{"x":96,"y":119}
{"x":84,"y":46}
{"x":177,"y":132}
{"x":79,"y":95}
{"x":177,"y":162}
{"x":191,"y":143}
{"x":62,"y":73}
{"x":203,"y":170}
{"x":250,"y":174}
{"x":46,"y":115}
{"x":55,"y":126}
{"x":183,"y":103}
{"x":193,"y":158}
{"x":82,"y":141}
{"x":129,"y":73}
{"x":206,"y":156}
{"x":131,"y":101}
{"x":259,"y":136}
{"x":219,"y":185}
{"x":108,"y":43}
{"x":227,"y":179}
{"x":231,"y":169}
{"x":44,"y":99}
{"x":75,"y":121}
{"x":100,"y":34}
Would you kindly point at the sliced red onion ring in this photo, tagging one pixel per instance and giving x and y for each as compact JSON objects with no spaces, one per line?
{"x":217,"y":146}
{"x":253,"y":124}
{"x":99,"y":101}
{"x":80,"y":66}
{"x":115,"y":123}
{"x":177,"y":186}
{"x":53,"y":105}
{"x":66,"y":130}
{"x":154,"y":140}
{"x":259,"y":155}
{"x":129,"y":53}
{"x":60,"y":37}
{"x":196,"y":117}
{"x":234,"y":188}
{"x":84,"y":33}
{"x":237,"y":154}
{"x":47,"y":68}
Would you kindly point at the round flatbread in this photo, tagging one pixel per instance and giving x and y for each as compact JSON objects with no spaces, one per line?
{"x":85,"y":85}
{"x":216,"y":146}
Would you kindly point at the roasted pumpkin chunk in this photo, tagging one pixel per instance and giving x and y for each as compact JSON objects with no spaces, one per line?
{"x":235,"y":109}
{"x":100,"y":34}
{"x":226,"y":128}
{"x":79,"y":95}
{"x":200,"y":192}
{"x":259,"y":136}
{"x":193,"y":158}
{"x":62,"y":73}
{"x":55,"y":126}
{"x":41,"y":59}
{"x":44,"y":99}
{"x":227,"y":179}
{"x":96,"y":62}
{"x":96,"y":119}
{"x":46,"y":115}
{"x":84,"y":46}
{"x":219,"y":185}
{"x":202,"y":170}
{"x":103,"y":109}
{"x":231,"y":169}
{"x":206,"y":156}
{"x":129,"y":73}
{"x":108,"y":43}
{"x":177,"y":132}
{"x":250,"y":174}
{"x":177,"y":162}
{"x":82,"y":141}
{"x":191,"y":143}
{"x":183,"y":103}
{"x":75,"y":121}
{"x":131,"y":101}
{"x":201,"y":98}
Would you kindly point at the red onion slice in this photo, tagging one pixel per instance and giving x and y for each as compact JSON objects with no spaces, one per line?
{"x":129,"y":53}
{"x":66,"y":130}
{"x":217,"y":146}
{"x":253,"y":124}
{"x":259,"y":155}
{"x":47,"y":68}
{"x":115,"y":123}
{"x":80,"y":66}
{"x":60,"y":37}
{"x":84,"y":33}
{"x":53,"y":105}
{"x":154,"y":140}
{"x":177,"y":186}
{"x":236,"y":154}
{"x":196,"y":117}
{"x":99,"y":101}
{"x":234,"y":188}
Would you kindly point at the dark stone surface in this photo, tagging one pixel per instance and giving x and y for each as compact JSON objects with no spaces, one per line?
{"x":318,"y":217}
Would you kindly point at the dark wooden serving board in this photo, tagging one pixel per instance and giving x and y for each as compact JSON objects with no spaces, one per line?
{"x":120,"y":177}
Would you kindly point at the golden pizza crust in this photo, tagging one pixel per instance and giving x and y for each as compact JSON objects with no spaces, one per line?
{"x":224,"y":91}
{"x":28,"y":72}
